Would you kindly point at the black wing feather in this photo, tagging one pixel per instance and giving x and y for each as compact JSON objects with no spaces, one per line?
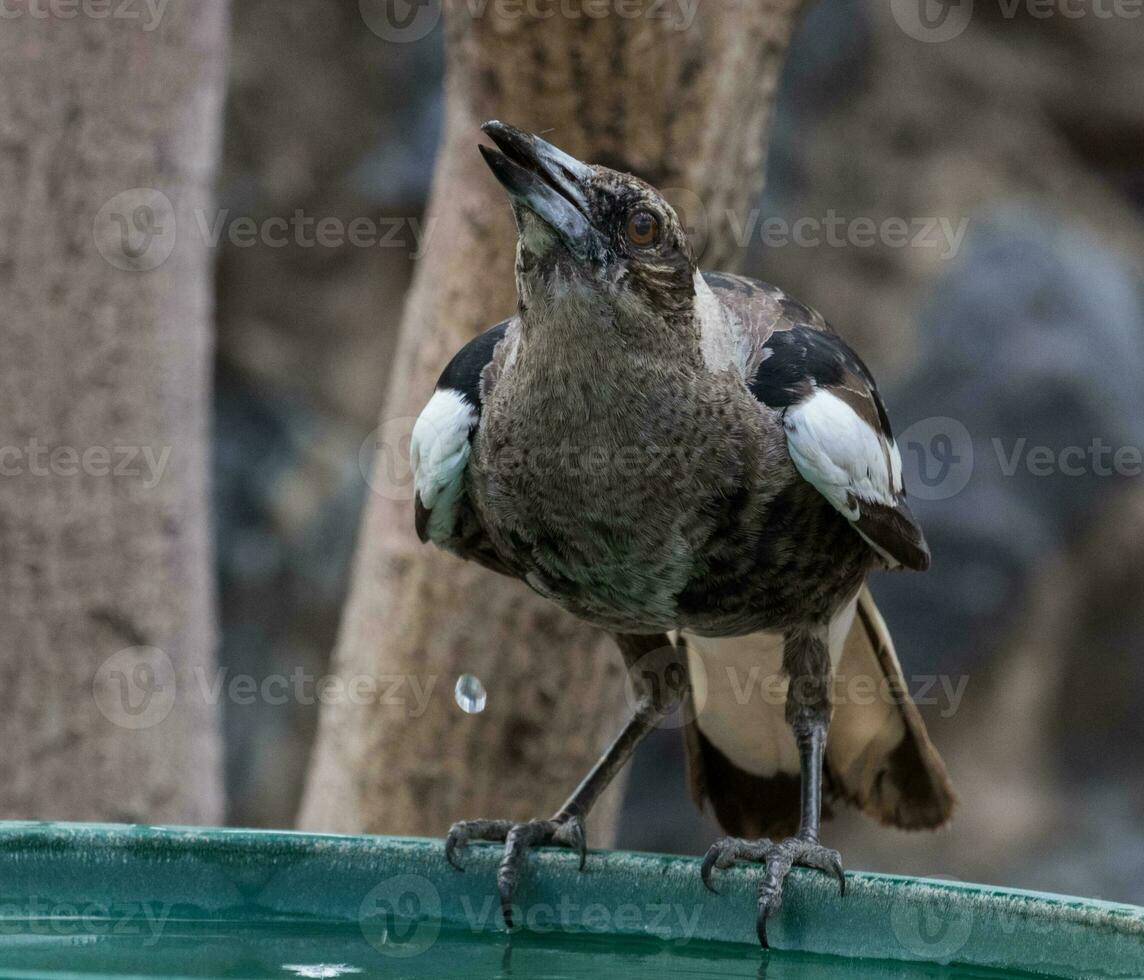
{"x":468,"y":374}
{"x":795,"y":354}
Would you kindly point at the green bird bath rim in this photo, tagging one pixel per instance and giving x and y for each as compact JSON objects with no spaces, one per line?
{"x":399,"y":896}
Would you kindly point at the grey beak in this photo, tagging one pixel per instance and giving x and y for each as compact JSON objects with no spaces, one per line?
{"x":547,"y":181}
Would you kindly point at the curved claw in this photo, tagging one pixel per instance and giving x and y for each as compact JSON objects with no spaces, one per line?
{"x":708,"y":866}
{"x":573,"y":835}
{"x":777,"y":860}
{"x":517,"y":838}
{"x":517,"y":842}
{"x":464,"y":831}
{"x":836,"y":869}
{"x":452,"y":843}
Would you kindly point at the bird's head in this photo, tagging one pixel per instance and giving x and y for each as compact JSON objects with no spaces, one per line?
{"x":587,"y":233}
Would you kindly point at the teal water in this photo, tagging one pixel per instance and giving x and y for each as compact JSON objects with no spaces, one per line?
{"x":147,"y":948}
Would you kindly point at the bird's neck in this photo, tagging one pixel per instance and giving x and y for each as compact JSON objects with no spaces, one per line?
{"x":584,"y":368}
{"x":579,"y":325}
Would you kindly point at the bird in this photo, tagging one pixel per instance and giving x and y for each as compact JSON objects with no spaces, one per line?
{"x":698,"y":464}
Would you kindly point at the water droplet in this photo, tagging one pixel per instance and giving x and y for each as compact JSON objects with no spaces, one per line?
{"x":470,"y":694}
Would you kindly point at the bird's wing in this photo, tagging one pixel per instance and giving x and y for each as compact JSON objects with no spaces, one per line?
{"x":838,"y":434}
{"x":442,"y":443}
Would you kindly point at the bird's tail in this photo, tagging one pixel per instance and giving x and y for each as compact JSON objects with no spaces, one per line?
{"x":742,"y":757}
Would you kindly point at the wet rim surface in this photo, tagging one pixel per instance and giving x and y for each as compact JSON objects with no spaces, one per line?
{"x":260,"y":877}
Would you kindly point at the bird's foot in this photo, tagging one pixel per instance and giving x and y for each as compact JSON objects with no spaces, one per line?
{"x":777,"y":860}
{"x":517,"y":838}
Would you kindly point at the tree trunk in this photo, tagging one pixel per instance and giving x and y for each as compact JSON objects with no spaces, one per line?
{"x":686,"y":109}
{"x":108,"y":135}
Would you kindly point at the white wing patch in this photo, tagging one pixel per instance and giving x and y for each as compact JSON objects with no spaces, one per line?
{"x":439,"y":452}
{"x":838,"y":452}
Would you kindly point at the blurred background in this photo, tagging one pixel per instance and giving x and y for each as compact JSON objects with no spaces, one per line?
{"x":972,"y":206}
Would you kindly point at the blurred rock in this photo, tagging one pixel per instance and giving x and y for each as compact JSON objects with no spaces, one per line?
{"x":888,"y":127}
{"x":1034,"y":348}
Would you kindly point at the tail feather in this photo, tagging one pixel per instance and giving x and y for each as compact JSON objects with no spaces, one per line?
{"x":880,"y":754}
{"x":879,"y":757}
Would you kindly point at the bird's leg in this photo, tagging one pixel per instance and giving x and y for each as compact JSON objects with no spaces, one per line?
{"x":806,"y":661}
{"x":658,"y":672}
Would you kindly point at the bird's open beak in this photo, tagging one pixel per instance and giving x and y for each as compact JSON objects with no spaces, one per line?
{"x":546,"y":180}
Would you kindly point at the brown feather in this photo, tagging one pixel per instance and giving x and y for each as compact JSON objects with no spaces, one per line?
{"x":879,"y":757}
{"x":894,"y":530}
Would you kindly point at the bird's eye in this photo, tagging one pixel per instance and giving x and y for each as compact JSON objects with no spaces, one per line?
{"x":643,"y":229}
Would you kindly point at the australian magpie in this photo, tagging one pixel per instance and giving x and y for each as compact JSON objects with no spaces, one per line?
{"x":698,"y":464}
